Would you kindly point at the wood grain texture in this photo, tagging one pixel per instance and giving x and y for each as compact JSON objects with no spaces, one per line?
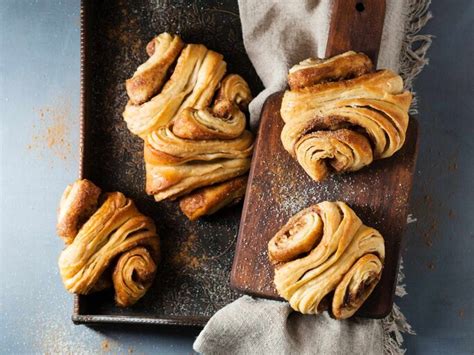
{"x":356,"y":25}
{"x":279,"y":187}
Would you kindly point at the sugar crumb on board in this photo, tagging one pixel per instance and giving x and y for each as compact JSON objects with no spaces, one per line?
{"x":51,"y":130}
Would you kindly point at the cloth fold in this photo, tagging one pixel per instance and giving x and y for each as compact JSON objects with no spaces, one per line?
{"x":257,"y":326}
{"x":277,"y":35}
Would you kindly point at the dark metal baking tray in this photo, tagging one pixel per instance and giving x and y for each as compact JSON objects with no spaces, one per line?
{"x":193,"y":279}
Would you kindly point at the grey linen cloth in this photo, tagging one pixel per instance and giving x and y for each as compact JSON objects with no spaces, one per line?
{"x":277,"y":35}
{"x":257,"y":326}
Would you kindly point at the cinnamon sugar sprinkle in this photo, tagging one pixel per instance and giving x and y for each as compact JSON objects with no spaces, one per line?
{"x":51,"y":130}
{"x":184,"y":256}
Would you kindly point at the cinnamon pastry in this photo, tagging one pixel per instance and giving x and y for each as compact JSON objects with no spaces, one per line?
{"x":210,"y":199}
{"x":116,"y":237}
{"x":165,"y":148}
{"x":150,"y":76}
{"x":78,"y":203}
{"x":171,"y":181}
{"x":313,"y":71}
{"x":192,"y":84}
{"x":326,"y":248}
{"x":189,"y":141}
{"x":343,"y":125}
{"x":224,"y":121}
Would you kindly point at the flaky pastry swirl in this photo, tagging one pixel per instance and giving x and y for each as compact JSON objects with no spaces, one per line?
{"x":117,"y":238}
{"x":224,"y":120}
{"x":326,"y":248}
{"x":343,"y":125}
{"x":201,"y":147}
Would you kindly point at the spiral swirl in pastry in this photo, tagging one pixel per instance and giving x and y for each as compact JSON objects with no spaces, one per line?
{"x":201,"y":147}
{"x":116,"y":237}
{"x":224,"y":121}
{"x":326,"y":248}
{"x":133,"y":276}
{"x":343,"y":125}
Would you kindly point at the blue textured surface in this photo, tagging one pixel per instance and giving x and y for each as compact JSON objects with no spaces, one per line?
{"x":39,"y":89}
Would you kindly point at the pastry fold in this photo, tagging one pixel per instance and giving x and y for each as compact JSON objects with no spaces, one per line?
{"x":116,"y":237}
{"x":322,"y":249}
{"x":171,"y":181}
{"x":150,"y":76}
{"x":192,"y":84}
{"x":224,"y":121}
{"x":339,"y":116}
{"x":200,"y":147}
{"x":164,"y":147}
{"x":210,"y":199}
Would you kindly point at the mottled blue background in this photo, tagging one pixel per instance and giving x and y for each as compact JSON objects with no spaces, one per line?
{"x":39,"y":89}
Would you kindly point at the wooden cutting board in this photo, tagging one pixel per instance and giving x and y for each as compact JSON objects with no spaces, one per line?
{"x":278,"y":187}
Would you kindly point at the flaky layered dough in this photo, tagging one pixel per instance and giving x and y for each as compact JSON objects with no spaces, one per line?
{"x":150,"y":76}
{"x":171,"y":181}
{"x":314,"y":70}
{"x":117,"y":238}
{"x":210,"y":199}
{"x":165,"y":148}
{"x":192,"y":84}
{"x":322,"y":249}
{"x":224,"y":120}
{"x":194,"y":128}
{"x":343,"y":125}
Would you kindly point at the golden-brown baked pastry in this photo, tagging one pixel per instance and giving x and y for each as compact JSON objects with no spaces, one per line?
{"x":313,"y":71}
{"x":150,"y":76}
{"x":192,"y":84}
{"x":210,"y":199}
{"x":165,"y":148}
{"x":133,"y":275}
{"x":78,"y":203}
{"x":171,"y":181}
{"x":326,"y":248}
{"x":194,"y":129}
{"x":343,"y":125}
{"x":118,"y":238}
{"x":224,"y":121}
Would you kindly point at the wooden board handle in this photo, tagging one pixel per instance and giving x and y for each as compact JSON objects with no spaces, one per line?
{"x":356,"y":25}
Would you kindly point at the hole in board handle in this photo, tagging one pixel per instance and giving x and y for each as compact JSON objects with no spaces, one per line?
{"x":360,"y":7}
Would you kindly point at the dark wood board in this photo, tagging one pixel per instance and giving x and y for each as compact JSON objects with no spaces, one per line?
{"x":193,"y":279}
{"x":279,"y":187}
